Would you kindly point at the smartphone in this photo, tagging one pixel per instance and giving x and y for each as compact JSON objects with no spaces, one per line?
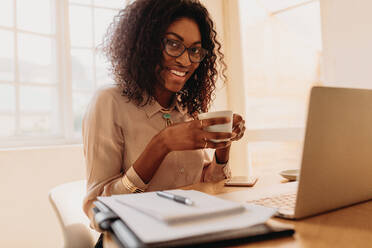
{"x":241,"y":181}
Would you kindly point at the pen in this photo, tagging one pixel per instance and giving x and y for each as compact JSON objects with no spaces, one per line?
{"x":177,"y":198}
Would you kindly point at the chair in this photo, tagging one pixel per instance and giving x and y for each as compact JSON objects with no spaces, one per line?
{"x":66,"y":200}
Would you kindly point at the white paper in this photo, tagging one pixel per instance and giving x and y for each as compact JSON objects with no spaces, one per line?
{"x":151,"y":230}
{"x":171,"y":211}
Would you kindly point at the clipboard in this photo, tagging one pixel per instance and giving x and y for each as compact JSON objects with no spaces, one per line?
{"x":125,"y":237}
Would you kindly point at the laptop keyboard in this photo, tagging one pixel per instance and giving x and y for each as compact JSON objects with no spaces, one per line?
{"x":283,"y":201}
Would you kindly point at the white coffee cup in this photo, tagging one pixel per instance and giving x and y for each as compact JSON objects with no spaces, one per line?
{"x":224,"y":128}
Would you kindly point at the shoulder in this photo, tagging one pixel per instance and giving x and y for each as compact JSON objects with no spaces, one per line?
{"x":111,"y":91}
{"x":109,"y":95}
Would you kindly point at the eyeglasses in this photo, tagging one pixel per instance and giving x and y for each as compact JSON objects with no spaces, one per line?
{"x":175,"y":48}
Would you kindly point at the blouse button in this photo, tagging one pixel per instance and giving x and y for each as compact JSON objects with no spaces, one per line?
{"x":182,"y":170}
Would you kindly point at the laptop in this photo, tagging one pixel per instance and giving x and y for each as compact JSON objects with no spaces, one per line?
{"x":336,"y":168}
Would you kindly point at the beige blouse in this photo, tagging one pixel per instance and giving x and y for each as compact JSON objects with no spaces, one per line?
{"x":115,"y":133}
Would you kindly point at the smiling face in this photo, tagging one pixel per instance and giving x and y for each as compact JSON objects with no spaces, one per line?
{"x":176,"y":71}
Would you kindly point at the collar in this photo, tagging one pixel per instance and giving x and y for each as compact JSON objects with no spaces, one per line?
{"x":153,"y":107}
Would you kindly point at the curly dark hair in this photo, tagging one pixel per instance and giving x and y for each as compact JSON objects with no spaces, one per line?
{"x":133,"y":45}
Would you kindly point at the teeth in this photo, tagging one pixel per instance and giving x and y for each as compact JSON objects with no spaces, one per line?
{"x":178,"y":73}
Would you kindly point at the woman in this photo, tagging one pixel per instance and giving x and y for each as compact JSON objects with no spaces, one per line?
{"x":143,"y":134}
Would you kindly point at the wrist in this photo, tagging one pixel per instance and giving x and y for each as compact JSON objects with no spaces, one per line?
{"x":220,"y":162}
{"x":222,"y":155}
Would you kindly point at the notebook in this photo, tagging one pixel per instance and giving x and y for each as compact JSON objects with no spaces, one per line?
{"x":157,"y":232}
{"x":336,"y":168}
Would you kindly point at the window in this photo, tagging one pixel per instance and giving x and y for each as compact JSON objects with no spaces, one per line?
{"x":49,"y":67}
{"x":89,"y":21}
{"x":282,"y":50}
{"x":27,"y":69}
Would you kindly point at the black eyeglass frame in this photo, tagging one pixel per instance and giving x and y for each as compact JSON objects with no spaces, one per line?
{"x":204,"y":51}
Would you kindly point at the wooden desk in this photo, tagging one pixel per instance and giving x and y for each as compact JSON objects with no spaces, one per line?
{"x":347,"y":227}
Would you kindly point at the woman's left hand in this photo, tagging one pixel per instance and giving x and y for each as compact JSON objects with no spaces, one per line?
{"x":238,"y":128}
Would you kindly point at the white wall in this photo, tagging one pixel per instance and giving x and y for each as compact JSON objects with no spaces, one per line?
{"x":347,"y":42}
{"x":235,"y":83}
{"x":27,"y":175}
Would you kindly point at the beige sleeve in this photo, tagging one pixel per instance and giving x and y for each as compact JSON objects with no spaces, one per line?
{"x":213,"y":171}
{"x":103,"y":151}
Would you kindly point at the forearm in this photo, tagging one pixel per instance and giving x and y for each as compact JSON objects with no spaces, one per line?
{"x":218,"y":168}
{"x":150,"y":159}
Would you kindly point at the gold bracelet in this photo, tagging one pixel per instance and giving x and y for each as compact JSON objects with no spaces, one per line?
{"x":130,"y":186}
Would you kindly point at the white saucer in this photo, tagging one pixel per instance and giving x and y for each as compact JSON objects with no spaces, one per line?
{"x":290,"y":174}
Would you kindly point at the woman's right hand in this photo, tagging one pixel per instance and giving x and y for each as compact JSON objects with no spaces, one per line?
{"x":191,"y":136}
